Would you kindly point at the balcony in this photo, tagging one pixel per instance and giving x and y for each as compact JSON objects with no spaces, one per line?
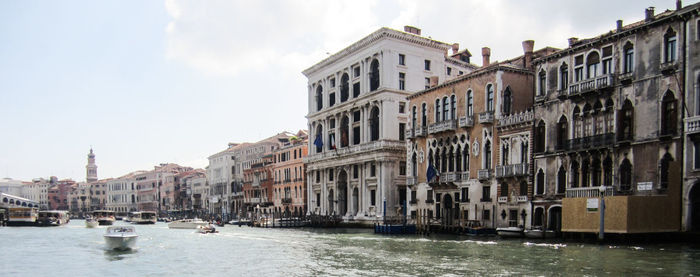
{"x":442,"y":126}
{"x":254,"y":200}
{"x":516,"y":119}
{"x":486,"y":117}
{"x":420,"y":131}
{"x":286,"y":200}
{"x":592,"y":142}
{"x":540,"y":97}
{"x":411,"y":180}
{"x":590,"y":85}
{"x":451,"y":176}
{"x":408,"y":133}
{"x":668,"y":67}
{"x":368,"y":147}
{"x":484,"y":174}
{"x":502,"y":199}
{"x":692,"y":125}
{"x":562,"y":93}
{"x":466,"y":121}
{"x":590,"y":192}
{"x":512,"y":170}
{"x":522,"y":198}
{"x":465,"y":176}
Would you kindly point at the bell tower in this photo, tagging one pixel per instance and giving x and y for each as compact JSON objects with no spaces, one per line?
{"x":91,"y":168}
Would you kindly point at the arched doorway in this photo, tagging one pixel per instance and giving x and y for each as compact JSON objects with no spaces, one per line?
{"x":355,"y":200}
{"x":554,"y":222}
{"x":342,"y":192}
{"x":538,"y":219}
{"x":694,"y":209}
{"x":448,"y":214}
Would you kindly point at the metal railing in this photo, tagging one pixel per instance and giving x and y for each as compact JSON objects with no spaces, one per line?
{"x":596,"y":141}
{"x":484,"y":174}
{"x":512,"y":170}
{"x":589,"y":192}
{"x":593,"y":84}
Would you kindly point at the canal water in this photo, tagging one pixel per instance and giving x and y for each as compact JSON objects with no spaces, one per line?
{"x":74,"y":250}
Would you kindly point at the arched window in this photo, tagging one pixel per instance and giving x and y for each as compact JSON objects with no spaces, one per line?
{"x":438,"y":108}
{"x":414,"y":118}
{"x":542,"y":83}
{"x":561,"y":180}
{"x":670,"y":46}
{"x":465,"y":158}
{"x":470,"y":103}
{"x":318,"y":142}
{"x":609,"y":116}
{"x":445,"y":162}
{"x":489,"y":97}
{"x":592,"y":64}
{"x":453,"y":107}
{"x":562,"y":133}
{"x":414,"y":165}
{"x":451,"y":160}
{"x":507,"y":97}
{"x":587,"y":121}
{"x":598,"y":118}
{"x":664,"y":170}
{"x":563,"y":76}
{"x":344,"y":87}
{"x":578,"y":121}
{"x":487,"y":154}
{"x":628,"y":60}
{"x":585,"y":174}
{"x":505,"y":154}
{"x":458,"y":159}
{"x":344,"y":131}
{"x":595,"y":172}
{"x":574,"y":174}
{"x":445,"y":108}
{"x":319,"y":98}
{"x":669,"y":114}
{"x":626,"y":175}
{"x":437,"y":159}
{"x":374,"y":75}
{"x":424,"y":115}
{"x":431,"y":161}
{"x":540,"y":137}
{"x":523,"y":187}
{"x":607,"y":172}
{"x":540,"y":182}
{"x":374,"y":123}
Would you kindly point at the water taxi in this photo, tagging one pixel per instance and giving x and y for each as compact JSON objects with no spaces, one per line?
{"x":104,"y":217}
{"x":187,"y":224}
{"x":143,"y":218}
{"x":510,"y":232}
{"x":22,"y":216}
{"x":120,"y":237}
{"x":91,"y":222}
{"x":53,"y":218}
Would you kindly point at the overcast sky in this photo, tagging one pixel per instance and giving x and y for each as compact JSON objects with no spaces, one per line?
{"x":147,"y":82}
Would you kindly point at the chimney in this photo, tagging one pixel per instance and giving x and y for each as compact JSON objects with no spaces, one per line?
{"x":572,"y":41}
{"x":486,"y":54}
{"x":619,"y":25}
{"x":679,"y":5}
{"x":455,"y":48}
{"x":433,"y":81}
{"x":411,"y":30}
{"x":528,"y":45}
{"x":649,"y":14}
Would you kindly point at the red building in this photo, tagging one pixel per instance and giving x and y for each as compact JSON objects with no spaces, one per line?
{"x":257,"y":186}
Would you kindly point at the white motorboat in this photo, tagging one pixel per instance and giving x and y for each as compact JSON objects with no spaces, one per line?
{"x":187,"y":224}
{"x":510,"y":232}
{"x":120,"y":237}
{"x":539,"y":234}
{"x":91,"y":223}
{"x":206,"y":229}
{"x":144,"y":218}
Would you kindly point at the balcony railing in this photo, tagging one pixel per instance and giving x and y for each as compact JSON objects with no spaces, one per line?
{"x":502,"y":199}
{"x":562,"y":93}
{"x":692,"y":125}
{"x":600,"y":82}
{"x":512,"y":170}
{"x":411,"y":180}
{"x":484,"y":174}
{"x":486,"y":117}
{"x":286,"y":200}
{"x":465,"y":176}
{"x":408,"y":134}
{"x":597,"y":141}
{"x":442,"y":126}
{"x":420,"y":131}
{"x":590,"y":192}
{"x":522,"y":198}
{"x":515,"y":119}
{"x":382,"y":145}
{"x":466,"y":121}
{"x":452,"y":176}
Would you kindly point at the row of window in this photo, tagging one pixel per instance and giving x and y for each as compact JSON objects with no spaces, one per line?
{"x":344,"y":89}
{"x":345,"y":136}
{"x":445,"y":108}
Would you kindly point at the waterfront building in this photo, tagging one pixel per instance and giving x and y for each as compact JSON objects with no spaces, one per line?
{"x":469,"y":145}
{"x":689,"y":68}
{"x":199,"y":187}
{"x":357,"y":119}
{"x":155,"y":188}
{"x":188,"y":191}
{"x":608,"y":125}
{"x":257,"y":187}
{"x":38,"y":191}
{"x":289,"y":187}
{"x":58,"y":193}
{"x":98,"y":194}
{"x":79,"y":199}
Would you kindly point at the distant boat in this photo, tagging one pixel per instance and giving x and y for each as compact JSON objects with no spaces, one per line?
{"x":206,"y":229}
{"x":104,"y":217}
{"x":510,"y":232}
{"x":91,"y":222}
{"x":144,"y":218}
{"x":120,"y":237}
{"x":53,"y":218}
{"x":22,"y":216}
{"x":187,"y":224}
{"x":540,"y":234}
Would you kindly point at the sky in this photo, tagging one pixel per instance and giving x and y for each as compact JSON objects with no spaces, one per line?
{"x":150,"y":82}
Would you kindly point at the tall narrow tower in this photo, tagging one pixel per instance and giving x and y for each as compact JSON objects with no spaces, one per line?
{"x":91,"y":168}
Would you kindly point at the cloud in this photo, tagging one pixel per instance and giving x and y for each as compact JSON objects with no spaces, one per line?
{"x":228,"y":37}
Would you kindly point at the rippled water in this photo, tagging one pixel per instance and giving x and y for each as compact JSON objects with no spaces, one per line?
{"x":74,"y":250}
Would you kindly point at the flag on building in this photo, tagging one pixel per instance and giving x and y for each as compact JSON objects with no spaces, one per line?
{"x":332,"y":142}
{"x":318,"y":142}
{"x":431,"y":173}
